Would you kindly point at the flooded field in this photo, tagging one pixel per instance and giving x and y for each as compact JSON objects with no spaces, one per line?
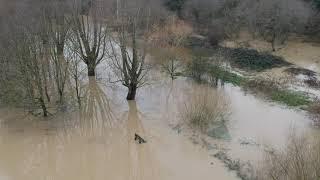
{"x":159,"y":90}
{"x":98,"y":141}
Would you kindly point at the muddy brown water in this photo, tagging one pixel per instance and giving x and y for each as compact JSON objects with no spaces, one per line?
{"x":98,"y":142}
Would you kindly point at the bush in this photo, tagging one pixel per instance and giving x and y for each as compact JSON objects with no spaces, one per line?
{"x":254,"y":60}
{"x":300,"y":160}
{"x":204,"y":109}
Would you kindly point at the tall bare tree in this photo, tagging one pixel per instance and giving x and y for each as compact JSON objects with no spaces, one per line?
{"x":274,"y":20}
{"x":129,"y":63}
{"x":59,"y":31}
{"x":90,"y":36}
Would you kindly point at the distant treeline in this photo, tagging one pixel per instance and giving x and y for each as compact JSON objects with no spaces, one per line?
{"x":271,"y":19}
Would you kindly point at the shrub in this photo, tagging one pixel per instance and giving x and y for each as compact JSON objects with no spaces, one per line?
{"x":204,"y":109}
{"x":172,"y":67}
{"x":300,"y":160}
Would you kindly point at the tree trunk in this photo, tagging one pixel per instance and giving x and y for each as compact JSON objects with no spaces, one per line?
{"x":273,"y":46}
{"x":273,"y":43}
{"x":61,"y":98}
{"x":132,"y":92}
{"x":91,"y":71}
{"x":47,"y":94}
{"x":43,"y":106}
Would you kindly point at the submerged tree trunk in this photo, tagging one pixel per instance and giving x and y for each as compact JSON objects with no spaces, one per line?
{"x":43,"y":106}
{"x":91,"y":70}
{"x":273,"y":42}
{"x":273,"y":46}
{"x":132,"y":92}
{"x":46,"y":92}
{"x":61,"y":98}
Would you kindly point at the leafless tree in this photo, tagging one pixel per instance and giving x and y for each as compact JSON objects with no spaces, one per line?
{"x":274,"y":20}
{"x":127,"y":54}
{"x":76,"y":73}
{"x":172,"y":67}
{"x":90,"y":36}
{"x":31,"y":59}
{"x":59,"y":32}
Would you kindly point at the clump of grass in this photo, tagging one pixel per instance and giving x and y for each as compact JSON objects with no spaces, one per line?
{"x":300,"y":160}
{"x":290,"y":98}
{"x":205,"y":107}
{"x":253,"y":60}
{"x":218,"y":73}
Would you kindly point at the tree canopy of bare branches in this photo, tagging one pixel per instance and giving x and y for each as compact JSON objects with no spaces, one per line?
{"x":90,"y":37}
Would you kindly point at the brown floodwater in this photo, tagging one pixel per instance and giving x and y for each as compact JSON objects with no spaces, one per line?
{"x":97,"y":142}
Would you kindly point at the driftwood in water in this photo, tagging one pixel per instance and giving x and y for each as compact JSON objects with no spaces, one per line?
{"x":139,"y":139}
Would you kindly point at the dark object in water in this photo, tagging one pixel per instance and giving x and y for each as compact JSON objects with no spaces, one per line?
{"x":139,"y":139}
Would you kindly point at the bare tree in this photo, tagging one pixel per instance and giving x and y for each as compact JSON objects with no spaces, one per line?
{"x":76,"y":73}
{"x":90,"y":35}
{"x":172,"y":67}
{"x":274,"y":20}
{"x":31,"y":59}
{"x":59,"y":33}
{"x":130,"y":65}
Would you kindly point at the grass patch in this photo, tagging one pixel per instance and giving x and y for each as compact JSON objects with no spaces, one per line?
{"x":202,"y":71}
{"x":218,"y":72}
{"x":275,"y":91}
{"x":290,"y":98}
